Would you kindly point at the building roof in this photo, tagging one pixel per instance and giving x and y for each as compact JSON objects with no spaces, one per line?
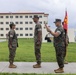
{"x":23,"y":13}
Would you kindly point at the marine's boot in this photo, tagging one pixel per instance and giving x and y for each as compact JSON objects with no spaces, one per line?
{"x":65,"y":62}
{"x":59,"y":70}
{"x":37,"y":66}
{"x":12,"y":65}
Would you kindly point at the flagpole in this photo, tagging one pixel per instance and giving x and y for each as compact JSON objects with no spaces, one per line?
{"x":65,"y":26}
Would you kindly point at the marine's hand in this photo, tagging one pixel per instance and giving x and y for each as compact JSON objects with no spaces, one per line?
{"x":47,"y":28}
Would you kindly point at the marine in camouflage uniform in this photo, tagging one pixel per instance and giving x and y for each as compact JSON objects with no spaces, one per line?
{"x":66,"y":45}
{"x":12,"y":45}
{"x":37,"y":41}
{"x":59,"y":44}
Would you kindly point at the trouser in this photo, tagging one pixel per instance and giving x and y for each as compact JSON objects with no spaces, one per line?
{"x":60,"y":51}
{"x":12,"y":52}
{"x":65,"y":54}
{"x":38,"y":53}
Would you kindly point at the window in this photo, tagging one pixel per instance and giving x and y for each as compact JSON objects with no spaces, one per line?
{"x":7,"y":22}
{"x":40,"y":16}
{"x":7,"y":16}
{"x":21,"y":22}
{"x":26,"y":28}
{"x":2,"y":34}
{"x":26,"y":16}
{"x":40,"y":22}
{"x":17,"y":29}
{"x":7,"y":28}
{"x":1,"y":29}
{"x":26,"y":34}
{"x":21,"y":16}
{"x":11,"y":22}
{"x":31,"y":34}
{"x":16,"y":16}
{"x":31,"y":28}
{"x":26,"y":22}
{"x":11,"y":16}
{"x":16,"y":22}
{"x":17,"y":34}
{"x":1,"y":16}
{"x":21,"y":34}
{"x":21,"y":28}
{"x":30,"y":22}
{"x":30,"y":16}
{"x":1,"y":22}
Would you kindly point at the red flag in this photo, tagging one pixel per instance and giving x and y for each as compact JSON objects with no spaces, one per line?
{"x":65,"y":25}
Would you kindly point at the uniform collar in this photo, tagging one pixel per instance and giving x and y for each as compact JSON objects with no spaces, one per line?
{"x":59,"y":26}
{"x":37,"y":22}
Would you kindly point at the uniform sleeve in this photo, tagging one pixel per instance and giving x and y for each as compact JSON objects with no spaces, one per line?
{"x":59,"y":31}
{"x":39,"y":33}
{"x":40,"y":28}
{"x":11,"y":34}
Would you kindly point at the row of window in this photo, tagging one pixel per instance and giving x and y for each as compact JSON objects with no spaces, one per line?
{"x":20,"y":34}
{"x":25,"y":34}
{"x":25,"y":28}
{"x":18,"y":28}
{"x":18,"y":22}
{"x":18,"y":16}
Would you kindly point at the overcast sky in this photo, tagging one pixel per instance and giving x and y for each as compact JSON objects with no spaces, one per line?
{"x":55,"y":8}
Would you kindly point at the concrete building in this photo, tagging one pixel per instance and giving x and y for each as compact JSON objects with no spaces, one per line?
{"x":24,"y":23}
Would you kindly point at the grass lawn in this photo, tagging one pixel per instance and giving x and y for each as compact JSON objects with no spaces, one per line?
{"x":25,"y":52}
{"x":33,"y":74}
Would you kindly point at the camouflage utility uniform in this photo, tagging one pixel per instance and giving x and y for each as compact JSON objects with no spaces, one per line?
{"x":59,"y":44}
{"x":13,"y":42}
{"x":66,"y":45}
{"x":38,"y":42}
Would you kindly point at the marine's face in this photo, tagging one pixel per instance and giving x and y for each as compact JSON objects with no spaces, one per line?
{"x":58,"y":24}
{"x":13,"y":27}
{"x":35,"y":20}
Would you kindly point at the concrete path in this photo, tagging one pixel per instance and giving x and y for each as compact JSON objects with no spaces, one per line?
{"x":26,"y":67}
{"x":2,"y":40}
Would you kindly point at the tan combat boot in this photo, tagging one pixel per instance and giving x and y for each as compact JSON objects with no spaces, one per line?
{"x":60,"y":70}
{"x":37,"y":66}
{"x":65,"y":62}
{"x":12,"y":66}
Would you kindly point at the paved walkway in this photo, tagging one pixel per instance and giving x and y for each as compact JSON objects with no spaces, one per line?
{"x":2,"y":40}
{"x":26,"y":67}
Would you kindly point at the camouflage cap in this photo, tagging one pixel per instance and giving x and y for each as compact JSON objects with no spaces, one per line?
{"x":57,"y":20}
{"x":12,"y":24}
{"x":35,"y":16}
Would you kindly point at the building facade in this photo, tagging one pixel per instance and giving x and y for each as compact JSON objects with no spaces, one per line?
{"x":24,"y":24}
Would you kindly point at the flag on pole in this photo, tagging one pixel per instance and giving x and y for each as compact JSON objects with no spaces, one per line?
{"x":65,"y":25}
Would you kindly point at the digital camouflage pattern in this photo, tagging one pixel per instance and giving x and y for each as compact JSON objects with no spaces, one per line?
{"x":38,"y":42}
{"x":59,"y":44}
{"x":12,"y":41}
{"x":60,"y":56}
{"x":60,"y":40}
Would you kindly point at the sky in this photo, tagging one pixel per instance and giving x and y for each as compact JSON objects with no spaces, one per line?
{"x":55,"y":9}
